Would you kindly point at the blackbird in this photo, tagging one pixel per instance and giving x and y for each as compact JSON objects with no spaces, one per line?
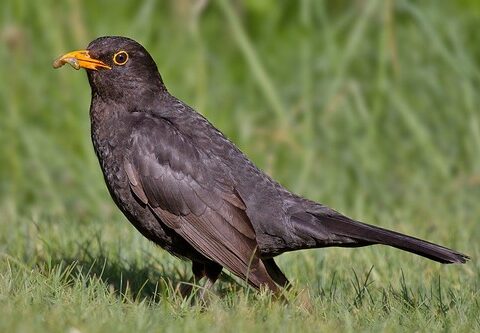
{"x":190,"y":190}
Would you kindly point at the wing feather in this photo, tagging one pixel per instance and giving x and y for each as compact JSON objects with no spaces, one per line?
{"x":193,"y":196}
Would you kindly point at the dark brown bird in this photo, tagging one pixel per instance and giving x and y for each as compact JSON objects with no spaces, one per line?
{"x":187,"y":188}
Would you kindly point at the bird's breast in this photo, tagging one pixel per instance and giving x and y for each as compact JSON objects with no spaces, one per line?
{"x":110,"y":156}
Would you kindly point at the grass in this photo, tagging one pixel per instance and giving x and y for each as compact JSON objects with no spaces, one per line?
{"x":370,"y":107}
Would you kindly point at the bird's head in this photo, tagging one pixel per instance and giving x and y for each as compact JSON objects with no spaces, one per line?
{"x":117,"y":68}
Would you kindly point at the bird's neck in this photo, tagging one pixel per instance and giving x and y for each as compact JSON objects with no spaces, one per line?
{"x":105,"y":118}
{"x":101,"y":110}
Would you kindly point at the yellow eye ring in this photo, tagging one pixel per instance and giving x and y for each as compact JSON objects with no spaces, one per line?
{"x":120,"y":58}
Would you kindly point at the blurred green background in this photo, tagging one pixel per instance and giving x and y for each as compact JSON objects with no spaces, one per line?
{"x":371,"y":107}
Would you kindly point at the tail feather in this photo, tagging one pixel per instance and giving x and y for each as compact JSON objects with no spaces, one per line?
{"x":333,"y":229}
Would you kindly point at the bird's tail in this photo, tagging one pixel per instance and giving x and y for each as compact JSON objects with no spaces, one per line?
{"x":329,"y":228}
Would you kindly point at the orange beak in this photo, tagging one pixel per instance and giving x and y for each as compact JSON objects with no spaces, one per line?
{"x":80,"y":59}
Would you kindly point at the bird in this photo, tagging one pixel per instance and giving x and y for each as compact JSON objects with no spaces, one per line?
{"x":185,"y":186}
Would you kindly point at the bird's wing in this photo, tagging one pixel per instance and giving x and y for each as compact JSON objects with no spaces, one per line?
{"x":187,"y":190}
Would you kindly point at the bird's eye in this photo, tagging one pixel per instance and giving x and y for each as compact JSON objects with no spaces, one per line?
{"x":120,"y":58}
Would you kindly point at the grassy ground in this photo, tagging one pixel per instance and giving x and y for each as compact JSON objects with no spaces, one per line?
{"x":370,"y":107}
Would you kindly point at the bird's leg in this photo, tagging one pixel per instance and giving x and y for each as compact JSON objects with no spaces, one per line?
{"x":198,"y":271}
{"x":212,"y":272}
{"x":275,"y":273}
